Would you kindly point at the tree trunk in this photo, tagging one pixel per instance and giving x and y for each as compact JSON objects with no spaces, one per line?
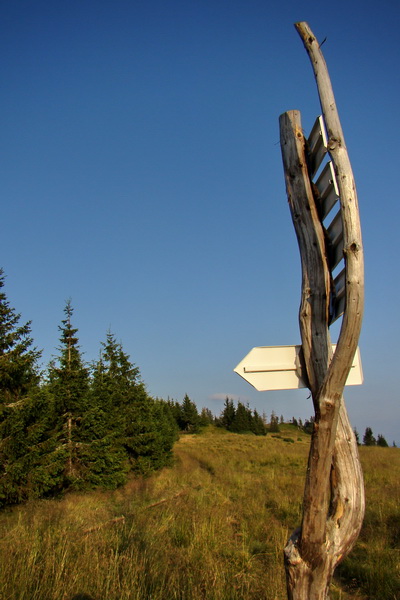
{"x":333,"y":498}
{"x":353,"y":251}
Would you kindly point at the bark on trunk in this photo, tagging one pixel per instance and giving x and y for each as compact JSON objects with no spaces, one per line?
{"x":353,"y":251}
{"x":333,"y":498}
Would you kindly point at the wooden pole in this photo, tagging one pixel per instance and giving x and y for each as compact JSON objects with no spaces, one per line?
{"x":333,"y":505}
{"x":353,"y":250}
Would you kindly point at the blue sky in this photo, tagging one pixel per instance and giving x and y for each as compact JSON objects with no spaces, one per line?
{"x":141,"y":176}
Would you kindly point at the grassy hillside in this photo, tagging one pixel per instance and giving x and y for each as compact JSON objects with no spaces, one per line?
{"x":212,"y":527}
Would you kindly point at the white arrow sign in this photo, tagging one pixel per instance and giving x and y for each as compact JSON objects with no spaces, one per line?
{"x":279,"y":368}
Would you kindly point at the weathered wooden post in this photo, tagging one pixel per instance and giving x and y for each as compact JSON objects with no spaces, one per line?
{"x":333,"y":506}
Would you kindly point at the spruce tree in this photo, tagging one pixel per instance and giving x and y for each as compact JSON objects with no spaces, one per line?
{"x":357,"y":436}
{"x":257,"y":424}
{"x":19,"y":379}
{"x":18,"y":360}
{"x":368,"y":439}
{"x":27,"y":424}
{"x":242,"y":420}
{"x":115,"y":386}
{"x":115,"y":375}
{"x":308,"y":426}
{"x":274,"y":423}
{"x":175,"y":410}
{"x":206,"y":417}
{"x":381,"y":441}
{"x":143,"y":429}
{"x":228,"y":414}
{"x":32,"y":458}
{"x":189,"y":419}
{"x":69,"y":384}
{"x":150,"y":434}
{"x":68,"y":376}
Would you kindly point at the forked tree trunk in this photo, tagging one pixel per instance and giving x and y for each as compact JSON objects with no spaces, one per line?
{"x":333,"y":507}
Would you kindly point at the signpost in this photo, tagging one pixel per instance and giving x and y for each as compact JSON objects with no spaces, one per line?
{"x":332,"y":286}
{"x":327,"y":197}
{"x":282,"y":368}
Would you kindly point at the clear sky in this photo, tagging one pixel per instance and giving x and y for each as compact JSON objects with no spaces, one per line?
{"x":141,"y":176}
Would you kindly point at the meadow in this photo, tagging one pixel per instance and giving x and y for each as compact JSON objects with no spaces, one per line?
{"x":212,"y":527}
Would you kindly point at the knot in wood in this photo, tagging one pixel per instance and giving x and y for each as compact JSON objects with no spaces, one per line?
{"x":352,"y":248}
{"x":333,"y":143}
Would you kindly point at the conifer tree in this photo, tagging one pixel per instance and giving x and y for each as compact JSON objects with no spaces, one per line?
{"x":25,"y":416}
{"x":308,"y":426}
{"x":143,"y":428}
{"x":31,"y":455}
{"x":257,"y":424}
{"x":18,"y":360}
{"x":150,"y":434}
{"x":68,"y":376}
{"x":75,"y":431}
{"x":381,"y":441}
{"x":189,"y":419}
{"x":368,"y":439}
{"x":228,"y":414}
{"x":115,"y":385}
{"x":357,"y":436}
{"x":242,"y":420}
{"x":114,"y":373}
{"x":274,"y":423}
{"x":206,"y":417}
{"x":175,"y":410}
{"x":69,"y":384}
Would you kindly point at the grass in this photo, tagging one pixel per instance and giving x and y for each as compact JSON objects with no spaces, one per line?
{"x":374,"y":565}
{"x":213,"y":527}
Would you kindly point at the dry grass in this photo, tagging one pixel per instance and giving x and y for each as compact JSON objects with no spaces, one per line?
{"x":212,"y":527}
{"x":373,"y":567}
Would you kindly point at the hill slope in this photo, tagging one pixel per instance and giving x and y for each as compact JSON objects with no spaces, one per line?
{"x":211,"y":527}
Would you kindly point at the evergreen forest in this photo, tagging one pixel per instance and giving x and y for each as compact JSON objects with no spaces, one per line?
{"x":78,"y":426}
{"x":74,"y":426}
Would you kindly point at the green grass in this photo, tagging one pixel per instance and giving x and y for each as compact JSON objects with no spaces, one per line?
{"x":373,"y":567}
{"x":212,"y":527}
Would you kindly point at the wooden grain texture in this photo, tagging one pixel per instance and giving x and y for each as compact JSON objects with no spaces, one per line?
{"x":333,"y":504}
{"x":353,"y":249}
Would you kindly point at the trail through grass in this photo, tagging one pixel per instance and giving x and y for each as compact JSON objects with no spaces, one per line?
{"x":212,"y":527}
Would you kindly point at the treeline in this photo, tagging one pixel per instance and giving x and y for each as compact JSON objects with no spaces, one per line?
{"x":77,"y":426}
{"x":370,"y":440}
{"x":187,"y":417}
{"x":73,"y":426}
{"x":241,"y":419}
{"x":368,"y":437}
{"x":238,"y":419}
